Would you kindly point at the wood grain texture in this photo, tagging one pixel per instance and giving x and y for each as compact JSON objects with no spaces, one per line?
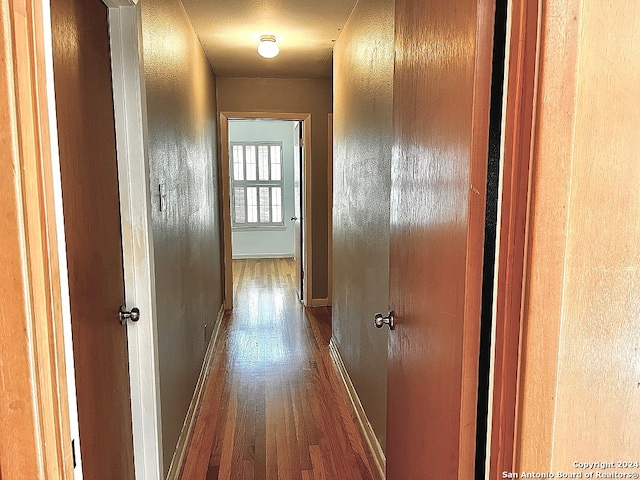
{"x":546,"y":236}
{"x":274,"y":406}
{"x":86,"y":137}
{"x":477,"y":201}
{"x":519,"y":101}
{"x":580,"y":386}
{"x":34,"y":412}
{"x":438,"y":181}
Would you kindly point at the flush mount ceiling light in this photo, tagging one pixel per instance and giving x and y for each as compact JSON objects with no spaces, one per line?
{"x":268,"y":48}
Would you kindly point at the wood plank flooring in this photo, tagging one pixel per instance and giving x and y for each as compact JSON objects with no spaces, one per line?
{"x":273,"y":406}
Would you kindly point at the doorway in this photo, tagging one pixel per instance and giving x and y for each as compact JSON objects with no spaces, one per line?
{"x":287,"y":222}
{"x":265,"y":176}
{"x":115,"y":127}
{"x":92,"y":229}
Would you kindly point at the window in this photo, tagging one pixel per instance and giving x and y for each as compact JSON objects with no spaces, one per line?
{"x":256,"y":184}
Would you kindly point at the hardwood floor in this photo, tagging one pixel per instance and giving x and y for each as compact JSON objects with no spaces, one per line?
{"x":273,"y":406}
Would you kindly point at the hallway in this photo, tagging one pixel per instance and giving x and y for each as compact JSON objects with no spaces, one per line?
{"x":274,"y":406}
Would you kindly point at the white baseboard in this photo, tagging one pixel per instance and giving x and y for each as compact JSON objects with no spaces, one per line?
{"x":187,"y":428}
{"x":319,"y":302}
{"x":365,"y":425}
{"x":243,"y":256}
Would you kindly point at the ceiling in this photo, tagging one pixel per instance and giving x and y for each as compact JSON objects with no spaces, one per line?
{"x":305,"y":30}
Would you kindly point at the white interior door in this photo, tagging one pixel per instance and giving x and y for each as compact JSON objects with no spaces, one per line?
{"x":298,"y":217}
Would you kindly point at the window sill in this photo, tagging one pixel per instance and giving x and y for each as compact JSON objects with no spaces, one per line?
{"x":273,"y":228}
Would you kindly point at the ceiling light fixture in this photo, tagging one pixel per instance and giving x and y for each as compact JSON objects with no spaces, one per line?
{"x":268,"y":48}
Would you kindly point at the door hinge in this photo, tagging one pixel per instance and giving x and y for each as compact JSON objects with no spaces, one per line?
{"x":73,"y":452}
{"x":302,"y":274}
{"x":302,"y":142}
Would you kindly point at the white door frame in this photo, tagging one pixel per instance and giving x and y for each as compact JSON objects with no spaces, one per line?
{"x":305,"y":118}
{"x":330,"y":161}
{"x":137,"y":241}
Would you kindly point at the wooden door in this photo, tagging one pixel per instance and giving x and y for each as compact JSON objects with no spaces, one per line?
{"x":84,"y":104}
{"x":298,"y":162}
{"x":440,"y":117}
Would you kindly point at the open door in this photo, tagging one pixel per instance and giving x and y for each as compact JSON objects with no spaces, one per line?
{"x":438,"y":182}
{"x":298,"y":217}
{"x":87,"y":145}
{"x":302,"y":209}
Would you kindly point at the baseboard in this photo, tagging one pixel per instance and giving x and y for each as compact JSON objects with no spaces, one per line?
{"x":187,"y":428}
{"x":319,"y":302}
{"x":244,"y":256}
{"x":365,"y":425}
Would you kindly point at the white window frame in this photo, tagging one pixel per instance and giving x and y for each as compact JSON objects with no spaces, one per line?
{"x":258,"y":183}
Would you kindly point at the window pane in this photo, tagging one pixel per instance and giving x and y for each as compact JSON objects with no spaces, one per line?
{"x":252,"y":204}
{"x":238,"y":163}
{"x":276,"y":168}
{"x":251,"y":162}
{"x":264,"y":205}
{"x":257,"y":184}
{"x":276,"y":204}
{"x":239,"y":205}
{"x":263,"y":162}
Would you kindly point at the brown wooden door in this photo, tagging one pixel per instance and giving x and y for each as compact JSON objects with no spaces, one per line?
{"x":91,"y":208}
{"x":441,"y":109}
{"x":298,"y":162}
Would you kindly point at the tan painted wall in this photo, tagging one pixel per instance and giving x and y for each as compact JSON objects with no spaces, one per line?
{"x":363,"y":72}
{"x":182,"y":155}
{"x":294,"y":95}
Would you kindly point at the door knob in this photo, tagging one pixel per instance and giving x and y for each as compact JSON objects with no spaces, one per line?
{"x":293,"y":219}
{"x":124,"y":314}
{"x":380,"y":320}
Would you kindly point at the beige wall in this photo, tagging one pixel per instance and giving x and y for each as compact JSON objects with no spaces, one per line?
{"x":182,"y":116}
{"x":294,"y":95}
{"x":363,"y":75}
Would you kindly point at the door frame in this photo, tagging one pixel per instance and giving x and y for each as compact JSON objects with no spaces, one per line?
{"x":35,"y":405}
{"x":41,"y":431}
{"x":41,"y":372}
{"x":330,"y":160}
{"x":129,"y":96}
{"x":305,"y":118}
{"x":524,"y":27}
